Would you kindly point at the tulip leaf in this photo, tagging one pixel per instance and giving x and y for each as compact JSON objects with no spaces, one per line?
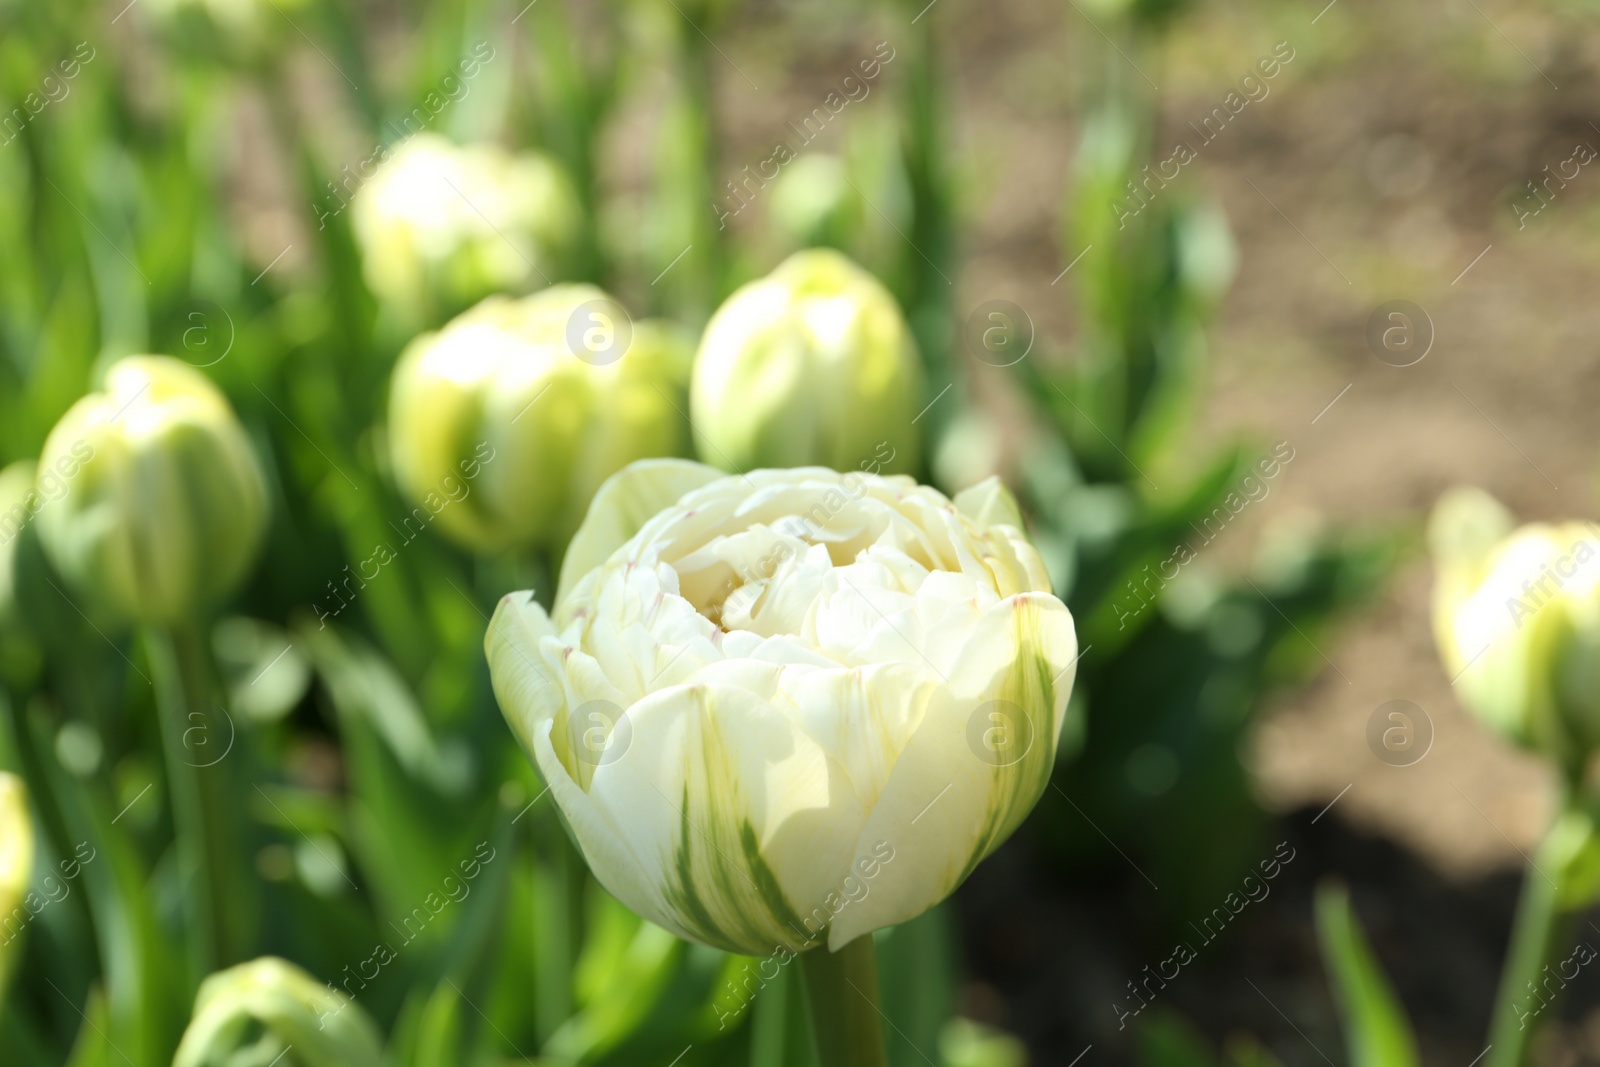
{"x":1377,"y":1033}
{"x":1166,"y":1040}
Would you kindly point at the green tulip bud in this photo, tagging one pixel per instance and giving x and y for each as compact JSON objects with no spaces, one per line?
{"x":503,"y":424}
{"x":442,"y":225}
{"x":813,"y":203}
{"x":16,"y":868}
{"x":812,"y":365}
{"x":1516,"y":614}
{"x":270,"y":1011}
{"x":152,"y":499}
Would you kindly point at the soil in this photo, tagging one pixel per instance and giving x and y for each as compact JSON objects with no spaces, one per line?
{"x":1050,"y":960}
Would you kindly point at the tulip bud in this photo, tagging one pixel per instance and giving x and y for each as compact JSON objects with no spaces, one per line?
{"x":270,"y":1011}
{"x":503,"y":424}
{"x":442,"y":225}
{"x":152,"y":498}
{"x":1516,"y":614}
{"x":813,"y":203}
{"x":811,"y":365}
{"x":783,"y":709}
{"x":16,"y":867}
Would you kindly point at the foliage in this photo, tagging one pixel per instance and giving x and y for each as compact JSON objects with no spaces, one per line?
{"x":364,"y":811}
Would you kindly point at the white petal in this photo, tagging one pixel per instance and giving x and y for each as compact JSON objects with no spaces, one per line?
{"x":989,"y":503}
{"x":950,"y":802}
{"x":528,"y":691}
{"x":624,"y":503}
{"x":742,"y":821}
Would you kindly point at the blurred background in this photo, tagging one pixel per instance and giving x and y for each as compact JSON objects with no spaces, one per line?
{"x":1254,"y":281}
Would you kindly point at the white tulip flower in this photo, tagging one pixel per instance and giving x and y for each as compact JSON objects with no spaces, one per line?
{"x":793,"y":706}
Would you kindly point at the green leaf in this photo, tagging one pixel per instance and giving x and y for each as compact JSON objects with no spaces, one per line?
{"x":1167,"y":1041}
{"x":1376,"y":1030}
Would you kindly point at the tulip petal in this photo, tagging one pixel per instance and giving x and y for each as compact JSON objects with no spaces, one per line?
{"x":528,"y":692}
{"x":624,"y":503}
{"x":533,"y":702}
{"x":742,"y":820}
{"x":989,"y":503}
{"x":950,"y":801}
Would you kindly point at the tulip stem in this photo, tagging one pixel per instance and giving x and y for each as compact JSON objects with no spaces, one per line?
{"x":193,"y":737}
{"x":842,"y":988}
{"x":1534,"y":934}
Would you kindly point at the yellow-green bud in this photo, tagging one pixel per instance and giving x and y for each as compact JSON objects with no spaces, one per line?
{"x":442,"y":225}
{"x":503,"y":424}
{"x":270,"y":1011}
{"x":16,"y":868}
{"x":1516,"y":614}
{"x":812,"y":365}
{"x":153,"y":501}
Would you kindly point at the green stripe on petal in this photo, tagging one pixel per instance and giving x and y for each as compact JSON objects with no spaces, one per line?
{"x":951,"y":800}
{"x":1017,"y":787}
{"x":751,"y":821}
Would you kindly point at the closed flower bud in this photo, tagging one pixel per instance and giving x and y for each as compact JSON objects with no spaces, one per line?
{"x":813,"y":364}
{"x":783,"y":709}
{"x":1516,"y":614}
{"x":152,"y":500}
{"x":16,"y":869}
{"x":442,"y":225}
{"x":270,"y":1011}
{"x":503,"y":424}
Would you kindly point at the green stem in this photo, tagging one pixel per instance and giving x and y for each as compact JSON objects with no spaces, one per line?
{"x":195,"y":740}
{"x":843,"y":990}
{"x":1534,"y":934}
{"x":705,"y":281}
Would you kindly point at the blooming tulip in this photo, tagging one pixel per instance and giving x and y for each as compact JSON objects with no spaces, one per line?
{"x":511,"y":416}
{"x":793,"y":706}
{"x":1516,"y":614}
{"x":268,"y":1010}
{"x":152,"y":500}
{"x":448,"y":224}
{"x":813,"y":364}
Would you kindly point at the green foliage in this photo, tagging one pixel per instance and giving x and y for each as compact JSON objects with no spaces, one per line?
{"x":1178,"y":657}
{"x":1165,"y":1040}
{"x":1377,"y":1033}
{"x":386,"y":834}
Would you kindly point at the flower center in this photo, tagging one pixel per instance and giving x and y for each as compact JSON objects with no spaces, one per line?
{"x":762,"y":579}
